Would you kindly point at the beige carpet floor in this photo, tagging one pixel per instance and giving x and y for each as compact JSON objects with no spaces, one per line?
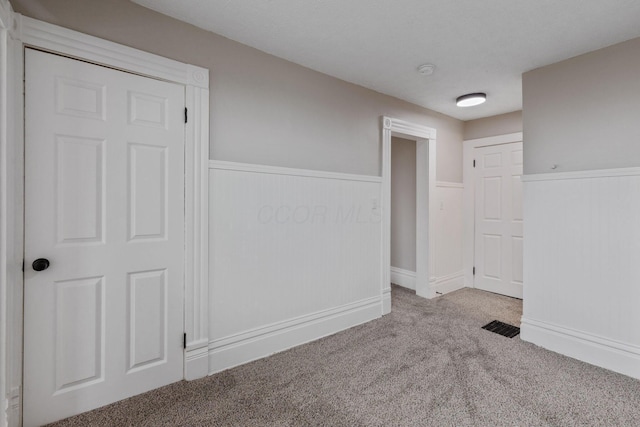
{"x":428,"y":363}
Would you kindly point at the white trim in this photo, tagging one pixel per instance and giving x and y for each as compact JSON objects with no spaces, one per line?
{"x":93,"y":49}
{"x":613,"y":355}
{"x":5,"y":385}
{"x":386,"y":300}
{"x":494,"y":140}
{"x":41,"y":35}
{"x":404,"y":278}
{"x":11,"y":218}
{"x":4,"y":403}
{"x":598,"y":173}
{"x":237,"y":349}
{"x":401,"y":128}
{"x":425,"y":201}
{"x":447,"y":184}
{"x":278,"y":170}
{"x":196,"y":231}
{"x":6,"y":16}
{"x":441,"y":285}
{"x":198,"y":361}
{"x":468,"y":197}
{"x":449,"y":283}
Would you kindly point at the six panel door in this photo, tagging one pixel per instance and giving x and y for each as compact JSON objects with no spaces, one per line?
{"x":104,"y":204}
{"x":498,"y":219}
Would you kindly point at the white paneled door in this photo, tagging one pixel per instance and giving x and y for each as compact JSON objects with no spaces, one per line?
{"x":104,"y":210}
{"x":498,"y":219}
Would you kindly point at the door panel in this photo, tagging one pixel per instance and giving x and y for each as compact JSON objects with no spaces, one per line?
{"x":104,"y":202}
{"x":79,"y":333}
{"x":146,"y":316}
{"x":80,"y":190}
{"x":498,"y":219}
{"x":492,"y":265}
{"x":493,"y":198}
{"x":148,"y":192}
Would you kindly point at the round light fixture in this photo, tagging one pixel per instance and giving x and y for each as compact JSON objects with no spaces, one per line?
{"x":471,"y":99}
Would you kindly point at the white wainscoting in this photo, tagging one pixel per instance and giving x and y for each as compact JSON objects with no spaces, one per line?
{"x":294,"y":256}
{"x":581,"y":275}
{"x":448,"y":275}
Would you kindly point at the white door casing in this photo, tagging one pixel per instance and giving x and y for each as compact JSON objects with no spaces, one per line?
{"x":104,"y":203}
{"x":498,"y":218}
{"x":425,"y":138}
{"x":20,"y":32}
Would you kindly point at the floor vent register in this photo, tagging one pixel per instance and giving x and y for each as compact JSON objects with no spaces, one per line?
{"x":501,"y":328}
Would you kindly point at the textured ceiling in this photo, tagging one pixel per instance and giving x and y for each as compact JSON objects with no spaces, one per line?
{"x":475,"y":45}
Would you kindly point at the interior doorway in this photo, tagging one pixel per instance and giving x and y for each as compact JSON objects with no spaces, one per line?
{"x":403,"y":212}
{"x":425,"y":138}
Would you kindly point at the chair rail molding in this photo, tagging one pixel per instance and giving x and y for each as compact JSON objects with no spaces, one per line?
{"x":425,"y":138}
{"x":28,"y":32}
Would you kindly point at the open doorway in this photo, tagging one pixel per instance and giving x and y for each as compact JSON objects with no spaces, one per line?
{"x":403,"y":212}
{"x":425,"y":161}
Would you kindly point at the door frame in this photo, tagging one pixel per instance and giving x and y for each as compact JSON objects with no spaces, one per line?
{"x":425,"y":138}
{"x":468,"y":197}
{"x":19,"y":32}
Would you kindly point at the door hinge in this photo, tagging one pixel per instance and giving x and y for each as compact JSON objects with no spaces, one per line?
{"x":23,"y":266}
{"x":474,"y":163}
{"x":474,"y":271}
{"x":184,"y":341}
{"x":186,"y":116}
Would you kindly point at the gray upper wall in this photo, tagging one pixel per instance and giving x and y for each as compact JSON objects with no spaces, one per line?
{"x":403,"y":204}
{"x":264,"y":110}
{"x":493,"y":126}
{"x":582,"y":113}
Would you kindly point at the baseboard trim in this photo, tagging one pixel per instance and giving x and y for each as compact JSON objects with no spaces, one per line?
{"x":196,"y":362}
{"x":609,"y":354}
{"x":404,"y":278}
{"x":386,"y":300}
{"x":438,"y":285}
{"x":449,"y":184}
{"x":238,"y":349}
{"x":452,"y":282}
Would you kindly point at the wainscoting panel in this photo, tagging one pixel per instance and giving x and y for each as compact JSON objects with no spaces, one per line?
{"x":448,"y":275}
{"x":294,"y":256}
{"x":581,"y":275}
{"x":448,"y":233}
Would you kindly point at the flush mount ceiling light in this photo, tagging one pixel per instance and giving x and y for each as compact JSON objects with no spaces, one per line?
{"x":471,"y":99}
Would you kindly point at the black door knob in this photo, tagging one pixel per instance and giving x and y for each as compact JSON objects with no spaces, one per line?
{"x":40,"y":264}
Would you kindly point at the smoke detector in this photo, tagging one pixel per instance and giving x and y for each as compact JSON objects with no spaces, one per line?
{"x":426,"y":69}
